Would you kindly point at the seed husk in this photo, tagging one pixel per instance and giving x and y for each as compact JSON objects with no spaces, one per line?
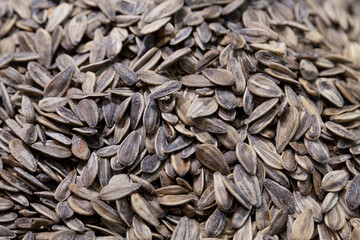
{"x":22,"y":154}
{"x":202,"y":107}
{"x":215,"y":223}
{"x":262,"y":109}
{"x":62,"y":192}
{"x":114,"y":192}
{"x":222,"y":197}
{"x":303,"y":226}
{"x":52,"y":148}
{"x":5,"y":204}
{"x":166,"y":8}
{"x":175,"y":200}
{"x":47,"y":212}
{"x":12,"y":180}
{"x":334,"y":181}
{"x":352,"y":195}
{"x":179,"y":119}
{"x":219,"y":77}
{"x":105,"y":211}
{"x":269,"y":157}
{"x":90,"y":171}
{"x":262,"y":86}
{"x":173,"y":58}
{"x":212,"y":158}
{"x":58,"y":15}
{"x":165,"y":89}
{"x":247,"y":157}
{"x":340,"y":131}
{"x":129,"y":149}
{"x":142,"y":208}
{"x":308,"y":70}
{"x":280,"y":195}
{"x":248,"y":185}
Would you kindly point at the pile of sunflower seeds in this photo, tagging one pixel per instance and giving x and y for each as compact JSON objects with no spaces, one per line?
{"x":180,"y":119}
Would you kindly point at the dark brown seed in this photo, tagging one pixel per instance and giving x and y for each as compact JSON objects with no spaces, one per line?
{"x":222,"y":197}
{"x":254,"y":35}
{"x":62,"y":192}
{"x":202,"y":107}
{"x":340,"y":131}
{"x":215,"y":223}
{"x":97,"y":52}
{"x":308,"y":70}
{"x":207,"y":58}
{"x":248,"y":185}
{"x":142,"y":208}
{"x":105,"y":79}
{"x":30,"y":178}
{"x":352,"y":197}
{"x":278,"y":221}
{"x":154,"y":26}
{"x":136,"y":109}
{"x":58,"y":15}
{"x":126,"y":74}
{"x":210,"y":124}
{"x":261,"y":110}
{"x":178,"y":144}
{"x":219,"y":76}
{"x":211,"y":157}
{"x":64,"y":210}
{"x":286,"y":128}
{"x":151,"y":117}
{"x":303,"y":226}
{"x":6,"y":233}
{"x":47,"y":212}
{"x":165,"y":89}
{"x":129,"y":149}
{"x":22,"y":154}
{"x":15,"y":182}
{"x":6,"y":100}
{"x":328,"y":90}
{"x":105,"y":211}
{"x":317,"y":150}
{"x":90,"y":170}
{"x":52,"y":148}
{"x":181,"y":35}
{"x":173,"y":58}
{"x":89,"y":112}
{"x":281,"y":196}
{"x":239,"y":76}
{"x":166,"y":8}
{"x":225,"y":98}
{"x":247,"y":157}
{"x":304,"y":124}
{"x":334,"y":181}
{"x":196,"y":81}
{"x":264,"y":87}
{"x":234,"y":96}
{"x":114,"y":191}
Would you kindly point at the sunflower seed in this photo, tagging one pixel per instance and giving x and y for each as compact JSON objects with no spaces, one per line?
{"x":122,"y":111}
